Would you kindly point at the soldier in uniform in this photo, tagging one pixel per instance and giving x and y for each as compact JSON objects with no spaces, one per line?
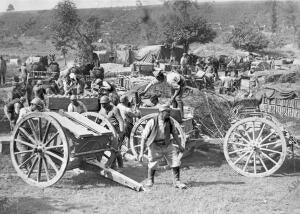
{"x":177,"y":83}
{"x":76,"y":105}
{"x":157,"y":136}
{"x":114,"y":116}
{"x":12,"y":110}
{"x":38,"y":90}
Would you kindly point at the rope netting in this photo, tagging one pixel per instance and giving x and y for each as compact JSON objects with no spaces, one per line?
{"x":212,"y":113}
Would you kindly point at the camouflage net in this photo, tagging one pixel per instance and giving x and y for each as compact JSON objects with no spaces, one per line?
{"x":212,"y":113}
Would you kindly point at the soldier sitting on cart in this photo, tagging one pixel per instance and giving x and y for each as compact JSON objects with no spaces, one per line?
{"x":76,"y":105}
{"x":38,"y":90}
{"x":114,"y":116}
{"x":12,"y":110}
{"x":37,"y":105}
{"x":157,"y":136}
{"x":177,"y":83}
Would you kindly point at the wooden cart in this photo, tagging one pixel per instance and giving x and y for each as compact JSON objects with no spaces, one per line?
{"x":257,"y":144}
{"x":44,"y":144}
{"x":187,"y":132}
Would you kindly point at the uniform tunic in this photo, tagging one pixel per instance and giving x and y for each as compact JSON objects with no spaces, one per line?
{"x":157,"y":133}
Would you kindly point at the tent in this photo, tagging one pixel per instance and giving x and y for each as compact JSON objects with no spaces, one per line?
{"x":159,"y":51}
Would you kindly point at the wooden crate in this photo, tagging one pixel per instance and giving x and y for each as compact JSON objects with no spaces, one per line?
{"x":175,"y":113}
{"x":61,"y":102}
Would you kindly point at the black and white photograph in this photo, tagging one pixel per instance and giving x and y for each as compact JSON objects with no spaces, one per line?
{"x":150,"y":106}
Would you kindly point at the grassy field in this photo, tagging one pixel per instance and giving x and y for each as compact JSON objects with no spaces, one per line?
{"x":213,"y":187}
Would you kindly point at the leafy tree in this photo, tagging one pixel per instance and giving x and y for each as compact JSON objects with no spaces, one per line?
{"x":87,"y":33}
{"x":291,"y":17}
{"x":183,"y":25}
{"x":10,"y":8}
{"x":248,"y":37}
{"x":64,"y":23}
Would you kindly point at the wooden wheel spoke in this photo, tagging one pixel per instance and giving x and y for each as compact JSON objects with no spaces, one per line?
{"x":54,"y":147}
{"x":52,"y":164}
{"x":267,"y":137}
{"x":22,"y":152}
{"x":268,"y":144}
{"x":241,"y":157}
{"x":40,"y":128}
{"x":26,"y":161}
{"x":25,"y":143}
{"x":46,"y":132}
{"x":33,"y":129}
{"x":240,"y":144}
{"x":267,"y":156}
{"x":27,"y":135}
{"x":254,"y":162}
{"x":239,"y":150}
{"x":247,"y":161}
{"x":46,"y":168}
{"x":32,"y":167}
{"x":55,"y":156}
{"x":262,"y":162}
{"x":243,"y":139}
{"x":253,"y":130}
{"x":270,"y":150}
{"x":51,"y":139}
{"x":38,"y":179}
{"x":261,"y":131}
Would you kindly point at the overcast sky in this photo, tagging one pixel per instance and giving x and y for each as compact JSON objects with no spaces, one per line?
{"x":49,"y":4}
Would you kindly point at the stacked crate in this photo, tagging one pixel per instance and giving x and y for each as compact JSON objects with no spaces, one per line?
{"x":57,"y":102}
{"x":284,"y":107}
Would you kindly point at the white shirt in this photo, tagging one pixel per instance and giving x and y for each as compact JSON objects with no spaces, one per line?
{"x":127,"y":113}
{"x":79,"y":109}
{"x":172,"y":79}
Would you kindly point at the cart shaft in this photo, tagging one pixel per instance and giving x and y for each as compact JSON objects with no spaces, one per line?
{"x":116,"y":176}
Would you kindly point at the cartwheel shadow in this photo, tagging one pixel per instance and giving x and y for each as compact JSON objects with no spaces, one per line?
{"x":198,"y":184}
{"x":203,"y":158}
{"x":290,"y":168}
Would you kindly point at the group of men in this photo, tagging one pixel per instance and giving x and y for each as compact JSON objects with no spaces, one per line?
{"x":118,"y":110}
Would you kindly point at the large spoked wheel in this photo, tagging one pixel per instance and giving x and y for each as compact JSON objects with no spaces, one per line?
{"x":39,"y":150}
{"x":137,"y":130}
{"x":104,"y":157}
{"x":255,"y":147}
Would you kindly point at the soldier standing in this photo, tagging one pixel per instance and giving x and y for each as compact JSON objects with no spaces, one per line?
{"x":157,"y":136}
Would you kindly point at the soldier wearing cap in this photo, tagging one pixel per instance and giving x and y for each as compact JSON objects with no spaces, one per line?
{"x":114,"y":116}
{"x":38,"y":90}
{"x":157,"y":136}
{"x":12,"y":110}
{"x":37,"y":105}
{"x":76,"y":105}
{"x":175,"y":81}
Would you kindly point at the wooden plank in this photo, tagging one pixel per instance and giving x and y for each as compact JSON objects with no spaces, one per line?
{"x":88,"y":123}
{"x":78,"y":130}
{"x":116,"y":176}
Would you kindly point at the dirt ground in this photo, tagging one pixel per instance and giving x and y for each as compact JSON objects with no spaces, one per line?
{"x":213,"y":187}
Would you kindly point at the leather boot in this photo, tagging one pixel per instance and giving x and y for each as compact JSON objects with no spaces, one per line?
{"x":120,"y":160}
{"x":176,"y":182}
{"x":150,"y":180}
